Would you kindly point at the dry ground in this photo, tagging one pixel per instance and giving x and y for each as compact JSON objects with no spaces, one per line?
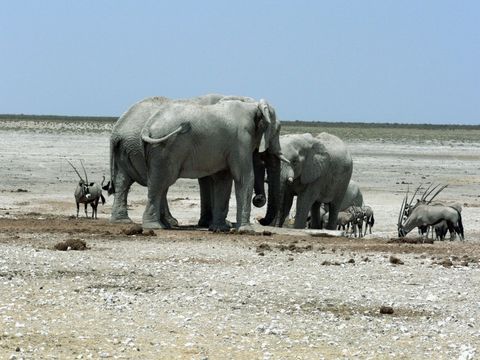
{"x":189,"y":293}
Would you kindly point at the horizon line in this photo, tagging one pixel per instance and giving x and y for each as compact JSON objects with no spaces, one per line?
{"x":6,"y":116}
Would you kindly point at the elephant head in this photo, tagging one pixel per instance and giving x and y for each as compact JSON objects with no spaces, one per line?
{"x":307,"y":159}
{"x":266,"y":158}
{"x":305,"y":162}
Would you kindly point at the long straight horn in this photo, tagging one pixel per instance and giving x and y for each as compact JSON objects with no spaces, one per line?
{"x":415,"y":193}
{"x":402,"y":209}
{"x":438,"y":192}
{"x":75,"y":170}
{"x":424,"y":194}
{"x":431,"y":191}
{"x":86,"y":177}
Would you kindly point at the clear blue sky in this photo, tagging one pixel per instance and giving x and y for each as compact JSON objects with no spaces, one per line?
{"x":413,"y":61}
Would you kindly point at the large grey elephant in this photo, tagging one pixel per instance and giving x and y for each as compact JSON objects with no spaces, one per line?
{"x":128,"y":163}
{"x":319,"y":172}
{"x":187,"y":139}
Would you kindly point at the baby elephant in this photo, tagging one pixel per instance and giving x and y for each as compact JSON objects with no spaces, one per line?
{"x":88,"y":193}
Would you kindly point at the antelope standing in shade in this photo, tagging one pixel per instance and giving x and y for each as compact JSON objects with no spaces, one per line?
{"x":87,"y":193}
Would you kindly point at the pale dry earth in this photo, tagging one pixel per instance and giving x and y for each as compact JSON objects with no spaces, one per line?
{"x":189,"y":293}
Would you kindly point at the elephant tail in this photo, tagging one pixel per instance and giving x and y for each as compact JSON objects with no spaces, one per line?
{"x":113,"y":170}
{"x":182,"y":129}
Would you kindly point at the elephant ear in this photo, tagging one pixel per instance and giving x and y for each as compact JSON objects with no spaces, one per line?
{"x":264,"y":109}
{"x":315,"y":164}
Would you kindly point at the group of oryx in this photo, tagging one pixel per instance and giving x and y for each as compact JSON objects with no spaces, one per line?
{"x":356,"y":218}
{"x":429,"y":216}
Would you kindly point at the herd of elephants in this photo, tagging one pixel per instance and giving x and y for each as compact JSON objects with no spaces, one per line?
{"x":221,"y":140}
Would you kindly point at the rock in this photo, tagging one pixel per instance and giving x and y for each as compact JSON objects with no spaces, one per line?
{"x":386,"y":310}
{"x":133,"y":230}
{"x":396,"y":261}
{"x":71,"y":244}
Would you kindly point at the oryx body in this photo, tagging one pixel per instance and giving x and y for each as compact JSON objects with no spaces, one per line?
{"x":88,"y":193}
{"x":424,"y":215}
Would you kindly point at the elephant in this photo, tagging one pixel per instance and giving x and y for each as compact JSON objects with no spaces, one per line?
{"x":353,"y":196}
{"x":191,"y":140}
{"x":128,"y":163}
{"x":318,"y":171}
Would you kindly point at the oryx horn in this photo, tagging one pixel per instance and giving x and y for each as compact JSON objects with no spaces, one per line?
{"x":86,"y":177}
{"x":438,"y":192}
{"x":402,"y":209}
{"x":75,"y":170}
{"x":415,"y":193}
{"x":425,"y":193}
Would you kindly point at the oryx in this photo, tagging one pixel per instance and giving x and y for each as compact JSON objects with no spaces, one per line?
{"x":424,"y":214}
{"x":87,"y":193}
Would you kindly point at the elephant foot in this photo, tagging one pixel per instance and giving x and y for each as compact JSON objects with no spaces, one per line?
{"x":171,"y":221}
{"x":204,"y":223}
{"x":225,"y":227}
{"x":123,"y":220}
{"x":246,"y":229}
{"x":153,"y":225}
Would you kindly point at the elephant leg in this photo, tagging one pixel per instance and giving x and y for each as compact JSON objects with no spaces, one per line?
{"x":166,"y":216}
{"x":119,"y":208}
{"x":243,"y":177}
{"x":304,"y":204}
{"x":315,"y":214}
{"x":334,"y":208}
{"x":222,"y":188}
{"x":206,"y":201}
{"x":158,"y":183}
{"x":78,"y":208}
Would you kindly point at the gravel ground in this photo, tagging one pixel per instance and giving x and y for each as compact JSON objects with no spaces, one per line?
{"x":191,"y":294}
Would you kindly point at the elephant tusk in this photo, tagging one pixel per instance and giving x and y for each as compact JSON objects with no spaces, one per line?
{"x":290,"y":180}
{"x":283,"y":158}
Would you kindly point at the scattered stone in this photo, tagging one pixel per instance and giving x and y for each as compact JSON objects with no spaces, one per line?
{"x":133,"y":230}
{"x":267,"y":233}
{"x":396,"y":261}
{"x":326,"y":262}
{"x":264,"y":247}
{"x":386,"y":310}
{"x":446,"y":263}
{"x":351,"y":261}
{"x":71,"y":244}
{"x":261,"y":253}
{"x":416,"y":240}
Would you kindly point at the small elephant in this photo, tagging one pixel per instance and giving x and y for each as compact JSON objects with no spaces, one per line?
{"x":319,"y":171}
{"x":128,"y":163}
{"x":189,"y":140}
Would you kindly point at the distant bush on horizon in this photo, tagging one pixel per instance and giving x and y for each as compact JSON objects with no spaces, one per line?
{"x":288,"y":123}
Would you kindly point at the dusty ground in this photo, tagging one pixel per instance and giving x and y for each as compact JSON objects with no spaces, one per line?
{"x":193,"y":294}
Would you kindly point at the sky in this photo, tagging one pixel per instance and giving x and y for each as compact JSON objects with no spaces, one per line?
{"x":412,"y":61}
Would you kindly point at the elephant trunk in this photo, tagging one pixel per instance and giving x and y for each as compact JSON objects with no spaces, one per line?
{"x":272,"y":163}
{"x":259,"y":199}
{"x":285,"y":176}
